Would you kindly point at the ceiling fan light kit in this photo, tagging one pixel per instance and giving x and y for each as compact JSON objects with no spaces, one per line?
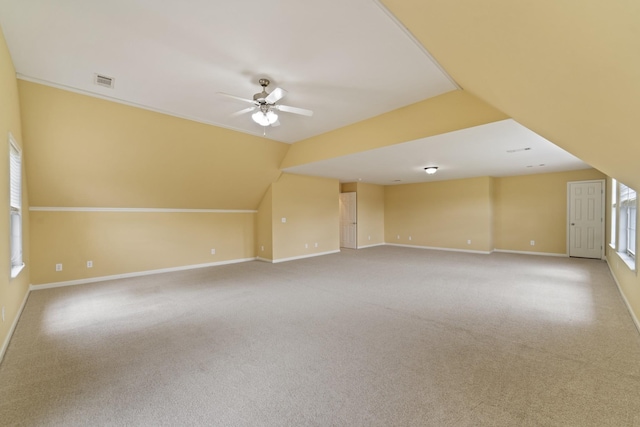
{"x":265,"y":103}
{"x":264,"y":118}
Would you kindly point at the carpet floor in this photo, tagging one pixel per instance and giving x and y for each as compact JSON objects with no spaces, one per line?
{"x":385,"y":336}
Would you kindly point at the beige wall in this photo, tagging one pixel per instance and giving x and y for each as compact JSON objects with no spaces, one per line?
{"x":444,"y":214}
{"x":534,"y":207}
{"x":451,"y":111}
{"x":88,"y":152}
{"x":494,"y":213}
{"x":349,"y":187}
{"x":311,"y":208}
{"x":264,"y":227}
{"x":12,"y":291}
{"x":627,"y":279}
{"x":128,"y":242}
{"x":370,"y":211}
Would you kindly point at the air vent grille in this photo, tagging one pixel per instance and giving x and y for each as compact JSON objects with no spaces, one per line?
{"x":104,"y":81}
{"x":519,"y":149}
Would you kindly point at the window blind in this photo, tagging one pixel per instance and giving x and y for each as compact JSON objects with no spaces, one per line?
{"x":627,"y":196}
{"x":15,"y":178}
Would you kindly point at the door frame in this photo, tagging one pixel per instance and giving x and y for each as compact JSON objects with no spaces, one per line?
{"x":603,"y":210}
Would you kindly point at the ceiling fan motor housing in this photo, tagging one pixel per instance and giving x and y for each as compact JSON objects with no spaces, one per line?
{"x":260,"y":97}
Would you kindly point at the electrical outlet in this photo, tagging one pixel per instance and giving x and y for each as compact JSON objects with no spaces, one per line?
{"x":262,"y":248}
{"x":89,"y":264}
{"x":369,"y":237}
{"x":469,"y":242}
{"x":58,"y":267}
{"x":533,"y":243}
{"x":398,"y":237}
{"x":316,"y":244}
{"x":409,"y":237}
{"x":213,"y":251}
{"x":284,"y":220}
{"x":306,"y":246}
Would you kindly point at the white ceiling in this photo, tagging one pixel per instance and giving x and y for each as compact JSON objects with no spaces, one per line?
{"x":347,"y":60}
{"x":467,"y":153}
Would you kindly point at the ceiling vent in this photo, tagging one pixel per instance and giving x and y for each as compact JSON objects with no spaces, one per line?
{"x":104,"y":81}
{"x":519,"y":149}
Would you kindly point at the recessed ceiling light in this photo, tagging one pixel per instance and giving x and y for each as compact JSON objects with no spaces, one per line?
{"x":397,"y":180}
{"x":515,"y":150}
{"x":430,"y":170}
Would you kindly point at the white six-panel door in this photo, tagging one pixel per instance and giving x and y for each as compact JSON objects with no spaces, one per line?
{"x":586,"y":219}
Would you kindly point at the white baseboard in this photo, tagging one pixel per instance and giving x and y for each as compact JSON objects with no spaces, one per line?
{"x":371,"y":246}
{"x":275,"y":261}
{"x":636,"y":322}
{"x":136,"y":274}
{"x":439,"y":249}
{"x":263,"y":259}
{"x":531,"y":253}
{"x":5,"y":344}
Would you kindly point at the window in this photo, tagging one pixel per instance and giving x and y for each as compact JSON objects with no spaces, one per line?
{"x":15,"y":206}
{"x":624,"y":216}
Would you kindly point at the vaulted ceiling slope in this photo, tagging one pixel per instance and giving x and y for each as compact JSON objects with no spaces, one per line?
{"x":449,"y":112}
{"x":569,"y":71}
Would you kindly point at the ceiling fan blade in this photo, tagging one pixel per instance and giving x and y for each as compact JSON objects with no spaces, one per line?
{"x":275,"y":96}
{"x":241,"y":112}
{"x":237,"y":97}
{"x":294,"y":110}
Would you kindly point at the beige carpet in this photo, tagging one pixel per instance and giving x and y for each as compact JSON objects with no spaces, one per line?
{"x":384,"y":336}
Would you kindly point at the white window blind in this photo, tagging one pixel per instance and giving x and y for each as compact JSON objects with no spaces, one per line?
{"x":628,"y":207}
{"x":15,"y":206}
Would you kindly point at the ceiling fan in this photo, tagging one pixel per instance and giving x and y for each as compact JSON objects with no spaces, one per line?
{"x":265,"y":107}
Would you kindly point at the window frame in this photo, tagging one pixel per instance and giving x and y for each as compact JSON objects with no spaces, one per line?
{"x":631,"y":212}
{"x":622,"y":207}
{"x":613,"y":238}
